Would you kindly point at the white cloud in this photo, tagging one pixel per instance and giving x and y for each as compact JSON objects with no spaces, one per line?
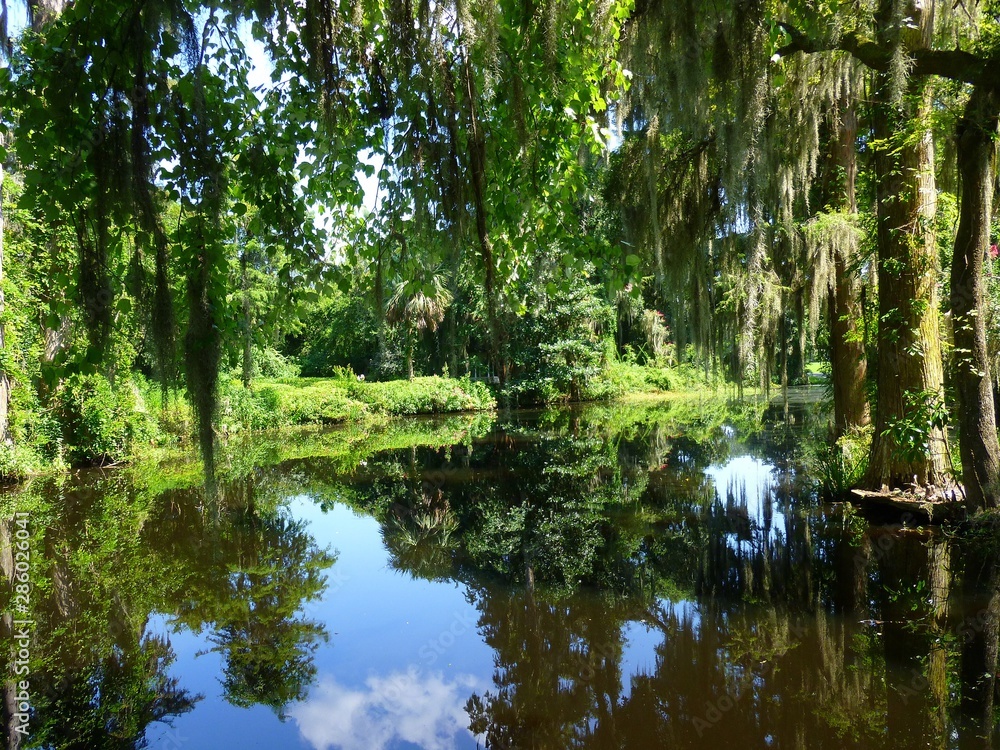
{"x":426,"y":711}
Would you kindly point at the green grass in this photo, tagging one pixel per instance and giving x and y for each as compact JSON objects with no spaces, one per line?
{"x":276,"y":403}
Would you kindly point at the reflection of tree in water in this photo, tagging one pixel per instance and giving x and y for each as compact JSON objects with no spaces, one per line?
{"x":268,"y":648}
{"x":557,"y":668}
{"x":979,"y":639}
{"x":518,"y":506}
{"x":802,"y":628}
{"x":774,"y":622}
{"x":249,"y":574}
{"x":105,"y":558}
{"x":98,"y":676}
{"x":109,"y":703}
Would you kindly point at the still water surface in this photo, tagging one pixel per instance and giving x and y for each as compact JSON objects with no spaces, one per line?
{"x":613,"y":577}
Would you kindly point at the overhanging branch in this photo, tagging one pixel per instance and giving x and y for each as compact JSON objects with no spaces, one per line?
{"x":956,"y":64}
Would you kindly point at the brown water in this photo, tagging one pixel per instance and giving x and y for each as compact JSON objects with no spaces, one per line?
{"x":629,"y":577}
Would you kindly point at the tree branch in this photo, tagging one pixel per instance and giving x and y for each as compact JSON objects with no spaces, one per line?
{"x":956,"y":64}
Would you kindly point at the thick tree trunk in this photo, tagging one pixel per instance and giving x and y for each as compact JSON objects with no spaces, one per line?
{"x":847,"y":348}
{"x":909,"y":341}
{"x":977,"y":131}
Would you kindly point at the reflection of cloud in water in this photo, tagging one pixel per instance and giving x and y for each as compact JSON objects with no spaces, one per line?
{"x":425,"y":711}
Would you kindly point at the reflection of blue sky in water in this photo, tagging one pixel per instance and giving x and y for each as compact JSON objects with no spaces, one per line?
{"x":641,"y":640}
{"x":749,"y":480}
{"x":427,"y":711}
{"x":403,"y":658}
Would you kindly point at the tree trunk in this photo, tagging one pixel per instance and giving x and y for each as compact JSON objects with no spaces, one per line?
{"x":909,"y":340}
{"x":976,"y":134}
{"x":9,"y":706}
{"x":4,"y":376}
{"x":42,"y":12}
{"x":409,"y":354}
{"x":939,"y":576}
{"x":847,"y":348}
{"x":454,"y":208}
{"x":247,"y":323}
{"x":798,"y":373}
{"x":783,"y":338}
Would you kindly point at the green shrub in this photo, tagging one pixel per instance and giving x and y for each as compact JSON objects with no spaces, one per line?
{"x":17,"y":462}
{"x":270,"y":363}
{"x":572,"y":365}
{"x":429,"y":395}
{"x":102,"y":424}
{"x":316,"y":402}
{"x":286,"y":402}
{"x":174,"y":416}
{"x":342,"y":331}
{"x":246,"y":409}
{"x":641,"y":379}
{"x":838,"y":466}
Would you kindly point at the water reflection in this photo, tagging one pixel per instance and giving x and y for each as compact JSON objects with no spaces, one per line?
{"x":619,"y":577}
{"x":106,"y":557}
{"x":424,"y":710}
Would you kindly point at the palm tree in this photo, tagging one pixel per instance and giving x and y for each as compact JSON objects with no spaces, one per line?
{"x":418,"y":308}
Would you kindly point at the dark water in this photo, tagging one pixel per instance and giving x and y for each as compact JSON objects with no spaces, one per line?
{"x":627,"y":577}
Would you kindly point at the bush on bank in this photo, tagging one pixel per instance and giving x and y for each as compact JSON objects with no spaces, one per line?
{"x":615,"y":380}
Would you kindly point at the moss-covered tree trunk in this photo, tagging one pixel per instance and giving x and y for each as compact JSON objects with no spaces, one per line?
{"x":909,"y":341}
{"x":847,"y":348}
{"x":976,"y":141}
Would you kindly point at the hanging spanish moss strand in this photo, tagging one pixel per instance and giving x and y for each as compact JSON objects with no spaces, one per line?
{"x":161,"y":312}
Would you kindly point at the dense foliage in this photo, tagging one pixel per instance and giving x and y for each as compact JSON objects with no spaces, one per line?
{"x":565,"y":200}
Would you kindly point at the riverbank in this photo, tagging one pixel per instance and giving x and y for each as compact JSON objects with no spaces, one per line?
{"x":345,"y":446}
{"x":89,"y":422}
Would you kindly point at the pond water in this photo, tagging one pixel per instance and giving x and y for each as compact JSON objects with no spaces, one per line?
{"x":635,"y":576}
